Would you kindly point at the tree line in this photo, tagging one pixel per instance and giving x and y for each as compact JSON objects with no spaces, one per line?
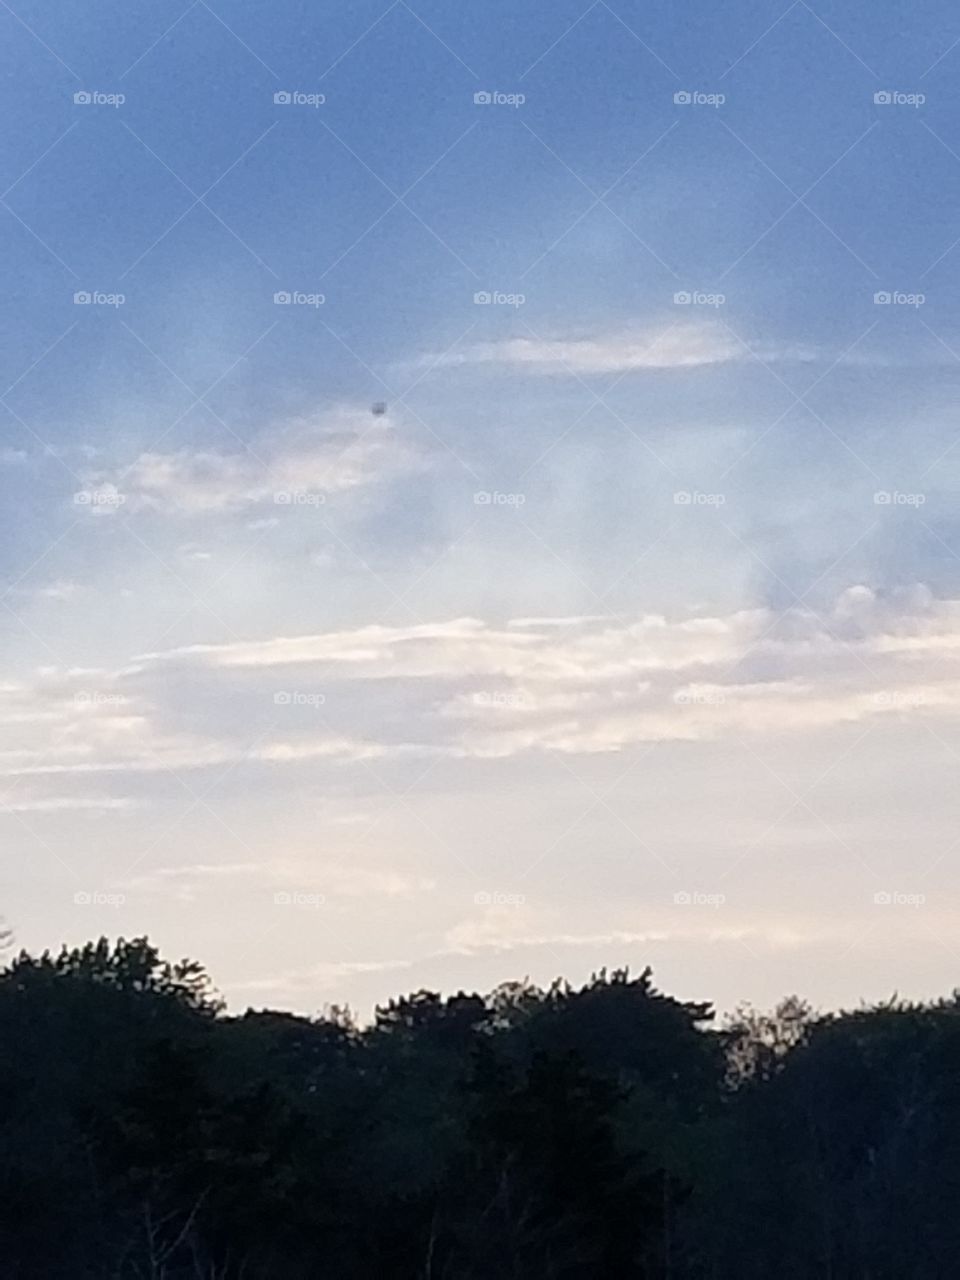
{"x":603,"y":1131}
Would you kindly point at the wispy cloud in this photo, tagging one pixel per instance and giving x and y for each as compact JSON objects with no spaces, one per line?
{"x":340,"y":450}
{"x":466,"y":689}
{"x":192,"y":881}
{"x":678,"y":346}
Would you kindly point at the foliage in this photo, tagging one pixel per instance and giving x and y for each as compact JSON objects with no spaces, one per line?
{"x":606,"y":1130}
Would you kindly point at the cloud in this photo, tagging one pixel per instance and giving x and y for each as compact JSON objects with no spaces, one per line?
{"x":677,"y":346}
{"x":192,"y":881}
{"x":61,"y":804}
{"x":503,"y":933}
{"x":476,"y":937}
{"x":320,"y":977}
{"x":61,"y":590}
{"x":466,"y":689}
{"x":338,"y":451}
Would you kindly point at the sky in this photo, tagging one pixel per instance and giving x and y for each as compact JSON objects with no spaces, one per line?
{"x":478,"y":492}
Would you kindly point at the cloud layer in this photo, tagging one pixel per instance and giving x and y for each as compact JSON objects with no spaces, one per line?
{"x":341,"y":450}
{"x":468,"y":689}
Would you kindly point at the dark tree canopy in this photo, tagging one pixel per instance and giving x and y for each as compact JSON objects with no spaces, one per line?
{"x":607,"y":1130}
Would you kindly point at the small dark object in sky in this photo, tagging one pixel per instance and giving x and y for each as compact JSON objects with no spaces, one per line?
{"x":379,"y":409}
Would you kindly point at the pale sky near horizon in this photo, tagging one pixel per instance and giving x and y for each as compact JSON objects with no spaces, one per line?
{"x":628,"y":633}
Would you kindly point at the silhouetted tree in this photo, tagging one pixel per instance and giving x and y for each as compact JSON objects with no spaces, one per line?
{"x":533,"y":1134}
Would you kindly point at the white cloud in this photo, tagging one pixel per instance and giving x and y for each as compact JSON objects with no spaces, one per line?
{"x":338,"y":451}
{"x":501,"y":934}
{"x":320,"y":977}
{"x":677,"y":346}
{"x":191,"y":881}
{"x":466,"y":689}
{"x":61,"y":590}
{"x":67,"y":804}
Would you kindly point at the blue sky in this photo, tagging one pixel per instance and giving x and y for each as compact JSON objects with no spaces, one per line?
{"x":627,"y":633}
